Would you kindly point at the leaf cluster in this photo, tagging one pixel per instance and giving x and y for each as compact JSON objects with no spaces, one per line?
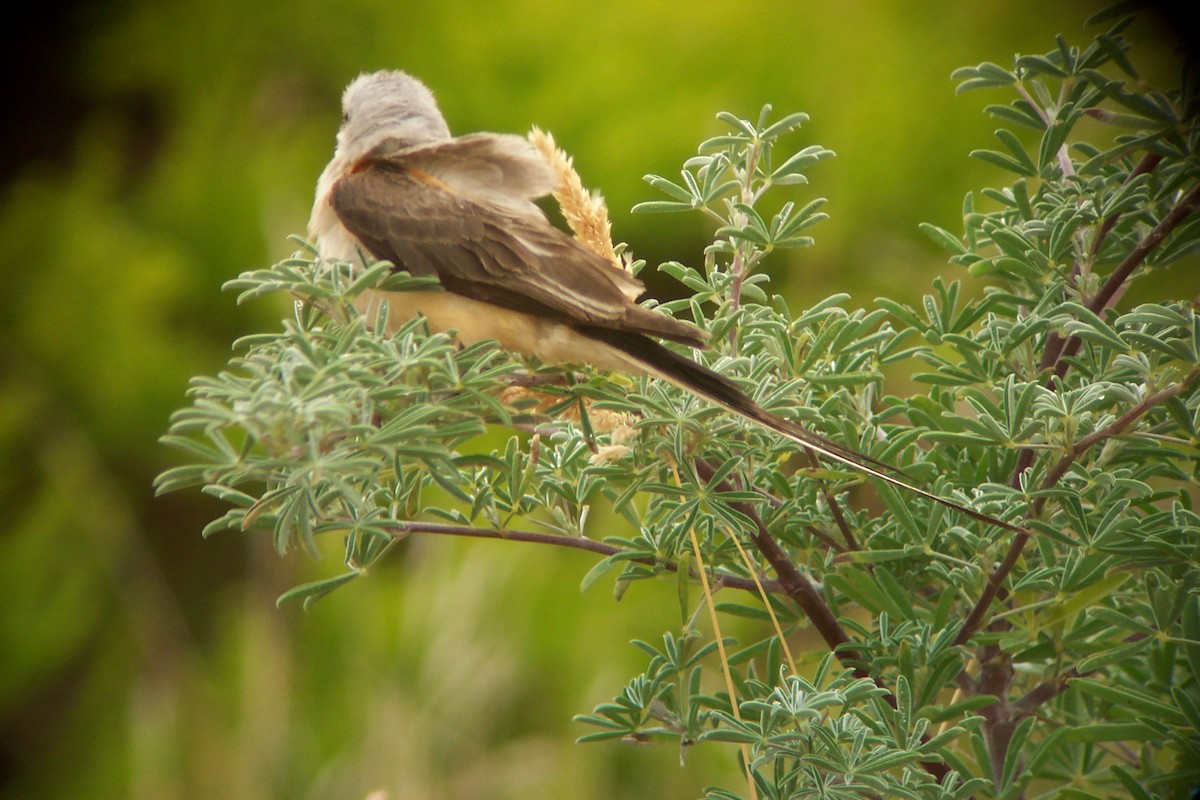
{"x":958,"y":659}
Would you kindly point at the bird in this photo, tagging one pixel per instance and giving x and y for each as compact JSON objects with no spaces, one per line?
{"x":461,"y":209}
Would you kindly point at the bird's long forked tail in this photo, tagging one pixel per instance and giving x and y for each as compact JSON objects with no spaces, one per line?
{"x":700,"y":380}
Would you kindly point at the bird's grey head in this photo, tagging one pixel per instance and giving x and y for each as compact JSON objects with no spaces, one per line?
{"x":388,"y":104}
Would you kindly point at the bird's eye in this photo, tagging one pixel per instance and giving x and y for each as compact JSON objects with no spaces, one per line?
{"x":345,"y":117}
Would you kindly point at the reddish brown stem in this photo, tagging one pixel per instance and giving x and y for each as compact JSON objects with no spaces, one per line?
{"x":791,"y":579}
{"x":575,"y":543}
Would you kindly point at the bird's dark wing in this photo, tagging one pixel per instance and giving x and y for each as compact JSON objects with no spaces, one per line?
{"x":493,"y":253}
{"x":502,"y":168}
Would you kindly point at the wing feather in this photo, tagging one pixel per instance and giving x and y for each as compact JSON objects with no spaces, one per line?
{"x":491,"y":252}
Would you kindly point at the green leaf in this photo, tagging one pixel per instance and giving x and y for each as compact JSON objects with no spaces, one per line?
{"x":1130,"y":698}
{"x":900,"y":312}
{"x":943,"y":237}
{"x":1190,"y":623}
{"x":1084,"y":599}
{"x":1188,"y":705}
{"x":309,"y":593}
{"x":801,"y":161}
{"x":1089,"y":325}
{"x":986,"y":71}
{"x":1119,"y":119}
{"x":1003,"y":162}
{"x":1111,"y":732}
{"x":600,"y":736}
{"x":1137,"y":791}
{"x":737,"y":123}
{"x":600,"y":569}
{"x":1114,"y":617}
{"x":1016,"y":148}
{"x":670,"y":188}
{"x":744,"y":611}
{"x":860,"y":587}
{"x":1040,"y":64}
{"x":661,"y":207}
{"x":1020,"y":113}
{"x":782,"y":126}
{"x":938,"y":714}
{"x":184,"y":477}
{"x":1014,"y":755}
{"x":1052,"y":141}
{"x":1138,"y":102}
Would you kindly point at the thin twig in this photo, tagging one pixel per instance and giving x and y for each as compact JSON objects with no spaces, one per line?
{"x":834,"y":545}
{"x":791,"y":580}
{"x":1050,"y":688}
{"x":995,"y":678}
{"x":1173,"y":219}
{"x":1148,"y":164}
{"x":576,"y":543}
{"x":834,"y":508}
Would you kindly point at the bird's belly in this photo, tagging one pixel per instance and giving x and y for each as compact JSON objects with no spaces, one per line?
{"x":472,"y":321}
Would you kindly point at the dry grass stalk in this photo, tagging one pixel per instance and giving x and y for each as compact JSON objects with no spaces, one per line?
{"x":584,"y":211}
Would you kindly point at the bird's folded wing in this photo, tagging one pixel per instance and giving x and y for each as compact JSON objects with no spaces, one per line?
{"x":504,"y":169}
{"x":488,"y":251}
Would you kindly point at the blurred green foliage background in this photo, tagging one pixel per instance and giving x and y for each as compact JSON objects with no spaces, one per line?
{"x":154,"y":150}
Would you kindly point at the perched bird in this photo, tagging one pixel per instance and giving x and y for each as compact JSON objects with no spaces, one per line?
{"x":401,"y":188}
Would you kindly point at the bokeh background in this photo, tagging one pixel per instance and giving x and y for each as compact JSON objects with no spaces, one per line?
{"x":152,"y":150}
